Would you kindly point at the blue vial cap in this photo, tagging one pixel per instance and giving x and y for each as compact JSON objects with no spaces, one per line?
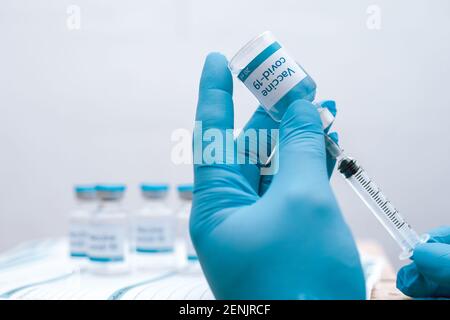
{"x":185,"y":188}
{"x":80,"y":188}
{"x":151,"y":187}
{"x":110,"y":187}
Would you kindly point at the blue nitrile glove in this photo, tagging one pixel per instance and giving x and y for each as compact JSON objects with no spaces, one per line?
{"x":263,"y":238}
{"x":428,"y":276}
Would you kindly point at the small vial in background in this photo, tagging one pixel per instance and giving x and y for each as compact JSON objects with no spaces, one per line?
{"x":183,"y":214}
{"x":271,"y":74}
{"x":153,"y":229}
{"x":108,"y":247}
{"x":79,"y":219}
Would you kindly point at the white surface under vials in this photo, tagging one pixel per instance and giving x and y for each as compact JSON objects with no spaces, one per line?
{"x":43,"y":270}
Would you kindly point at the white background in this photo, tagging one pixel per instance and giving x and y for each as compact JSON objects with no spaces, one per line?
{"x":100,"y":103}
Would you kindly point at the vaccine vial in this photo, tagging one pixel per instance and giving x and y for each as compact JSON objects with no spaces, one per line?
{"x":183,"y":214}
{"x":79,"y":219}
{"x":108,"y":233}
{"x":271,"y":74}
{"x":153,"y":228}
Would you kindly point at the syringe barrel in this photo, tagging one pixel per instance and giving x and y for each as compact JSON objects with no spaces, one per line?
{"x":380,"y":206}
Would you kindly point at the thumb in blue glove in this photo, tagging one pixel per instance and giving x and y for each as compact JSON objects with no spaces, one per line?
{"x":428,"y":276}
{"x":278,"y":238}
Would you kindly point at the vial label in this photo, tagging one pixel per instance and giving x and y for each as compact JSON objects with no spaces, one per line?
{"x":107,"y":243}
{"x":154,"y":234}
{"x":78,"y":237}
{"x":271,"y":75}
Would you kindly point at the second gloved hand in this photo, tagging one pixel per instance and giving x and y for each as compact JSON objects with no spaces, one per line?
{"x":428,"y":276}
{"x":269,"y":237}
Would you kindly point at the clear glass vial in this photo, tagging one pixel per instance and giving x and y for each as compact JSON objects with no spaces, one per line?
{"x":79,"y":219}
{"x":271,"y":74}
{"x":153,"y":228}
{"x":183,"y":214}
{"x":108,"y":245}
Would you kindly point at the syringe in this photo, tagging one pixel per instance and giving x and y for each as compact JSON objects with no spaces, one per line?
{"x":376,"y":201}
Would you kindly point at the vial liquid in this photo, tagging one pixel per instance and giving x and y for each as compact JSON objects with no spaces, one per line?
{"x":271,"y":74}
{"x":153,"y":229}
{"x":183,"y":214}
{"x":79,"y":220}
{"x":108,"y":233}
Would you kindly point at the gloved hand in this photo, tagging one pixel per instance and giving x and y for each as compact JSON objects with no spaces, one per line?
{"x":428,"y":276}
{"x":264,"y":237}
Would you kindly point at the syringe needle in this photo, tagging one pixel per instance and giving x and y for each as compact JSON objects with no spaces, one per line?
{"x":333,"y":148}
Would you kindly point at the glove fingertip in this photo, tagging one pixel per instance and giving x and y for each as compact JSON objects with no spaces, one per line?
{"x":402,"y":283}
{"x":330,"y":105}
{"x":433,"y":257}
{"x":440,"y":234}
{"x":216,"y":74}
{"x":302,"y":114}
{"x":424,"y":250}
{"x":410,"y":282}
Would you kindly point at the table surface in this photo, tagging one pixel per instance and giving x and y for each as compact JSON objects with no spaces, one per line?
{"x":385,"y":288}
